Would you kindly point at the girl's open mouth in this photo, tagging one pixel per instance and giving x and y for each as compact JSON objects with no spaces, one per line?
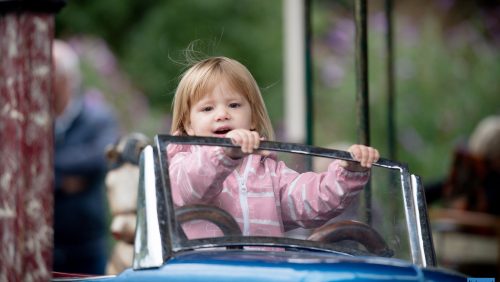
{"x":222,"y":131}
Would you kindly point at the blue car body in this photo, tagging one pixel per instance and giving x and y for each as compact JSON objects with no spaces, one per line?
{"x":235,"y":265}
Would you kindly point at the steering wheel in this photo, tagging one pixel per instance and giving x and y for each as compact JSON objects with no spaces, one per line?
{"x":217,"y":216}
{"x":355,"y":231}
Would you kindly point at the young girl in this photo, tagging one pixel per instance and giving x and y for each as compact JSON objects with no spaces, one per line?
{"x":219,"y":97}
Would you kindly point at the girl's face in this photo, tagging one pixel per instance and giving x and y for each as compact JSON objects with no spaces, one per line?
{"x":219,"y":112}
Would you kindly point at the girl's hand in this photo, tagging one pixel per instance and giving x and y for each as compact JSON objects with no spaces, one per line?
{"x":364,"y":154}
{"x":246,"y":139}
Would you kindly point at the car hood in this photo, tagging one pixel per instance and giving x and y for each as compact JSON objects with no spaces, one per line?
{"x":239,"y":265}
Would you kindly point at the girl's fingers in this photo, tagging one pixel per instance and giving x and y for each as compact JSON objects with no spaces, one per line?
{"x":246,"y":139}
{"x":355,"y":152}
{"x":235,"y":138}
{"x":243,"y":141}
{"x":364,"y":155}
{"x":375,"y":156}
{"x":256,"y":139}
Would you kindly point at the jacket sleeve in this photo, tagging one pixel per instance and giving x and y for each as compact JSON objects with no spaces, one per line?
{"x":310,"y":199}
{"x":197,"y":175}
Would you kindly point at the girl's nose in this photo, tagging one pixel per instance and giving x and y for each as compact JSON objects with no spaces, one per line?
{"x":222,"y":114}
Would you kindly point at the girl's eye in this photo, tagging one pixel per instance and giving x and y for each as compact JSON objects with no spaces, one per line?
{"x":206,"y":109}
{"x":234,"y":105}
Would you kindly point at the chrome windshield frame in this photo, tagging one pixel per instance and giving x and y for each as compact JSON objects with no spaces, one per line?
{"x":420,"y":241}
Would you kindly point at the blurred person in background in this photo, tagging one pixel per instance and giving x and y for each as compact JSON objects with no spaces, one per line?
{"x":83,"y":128}
{"x":474,"y":180}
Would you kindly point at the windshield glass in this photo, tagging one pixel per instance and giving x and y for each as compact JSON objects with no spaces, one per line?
{"x":283,"y":198}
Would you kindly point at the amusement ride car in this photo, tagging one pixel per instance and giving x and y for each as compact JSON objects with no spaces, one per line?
{"x":384,"y":235}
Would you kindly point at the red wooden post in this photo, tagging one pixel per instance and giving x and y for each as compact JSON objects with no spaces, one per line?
{"x":26,"y":139}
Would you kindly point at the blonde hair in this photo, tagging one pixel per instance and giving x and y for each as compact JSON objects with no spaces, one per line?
{"x":201,"y":79}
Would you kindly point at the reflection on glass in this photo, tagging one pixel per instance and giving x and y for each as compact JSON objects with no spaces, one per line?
{"x":276,"y":195}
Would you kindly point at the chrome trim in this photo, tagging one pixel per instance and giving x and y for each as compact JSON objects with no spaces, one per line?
{"x":411,"y":219}
{"x":426,"y":244}
{"x":90,"y":278}
{"x":420,"y":243}
{"x":148,"y":244}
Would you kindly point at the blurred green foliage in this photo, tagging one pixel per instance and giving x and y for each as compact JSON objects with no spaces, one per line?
{"x":150,"y":39}
{"x":446,"y":82}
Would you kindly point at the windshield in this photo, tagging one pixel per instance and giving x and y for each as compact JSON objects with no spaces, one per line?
{"x":289,"y":196}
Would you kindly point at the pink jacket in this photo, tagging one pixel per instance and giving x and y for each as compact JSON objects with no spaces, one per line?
{"x":264,"y":196}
